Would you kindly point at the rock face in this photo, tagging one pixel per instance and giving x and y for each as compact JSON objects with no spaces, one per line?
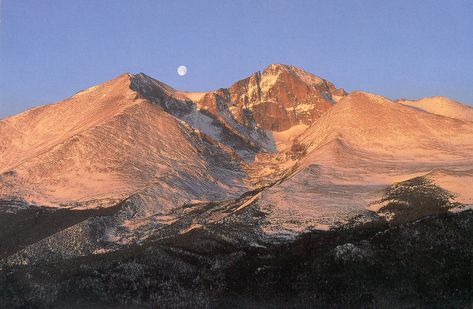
{"x":279,"y":98}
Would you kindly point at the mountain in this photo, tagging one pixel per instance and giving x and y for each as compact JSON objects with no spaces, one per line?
{"x":442,"y":106}
{"x":134,"y":163}
{"x":108,"y":141}
{"x":280,"y":97}
{"x":355,"y":150}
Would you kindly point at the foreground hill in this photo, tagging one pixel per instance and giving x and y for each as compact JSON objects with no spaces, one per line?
{"x":425,"y":264}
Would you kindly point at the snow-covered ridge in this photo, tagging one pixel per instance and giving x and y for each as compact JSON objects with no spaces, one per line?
{"x":273,"y":71}
{"x":441,"y":106}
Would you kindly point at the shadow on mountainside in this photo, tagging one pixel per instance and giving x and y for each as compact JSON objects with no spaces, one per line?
{"x":426,"y":263}
{"x":413,"y":199}
{"x":29,"y":224}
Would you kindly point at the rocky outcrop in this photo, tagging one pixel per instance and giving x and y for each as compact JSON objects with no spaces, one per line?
{"x":280,"y":97}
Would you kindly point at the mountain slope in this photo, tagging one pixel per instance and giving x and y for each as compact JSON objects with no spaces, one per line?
{"x":354,"y":151}
{"x":373,"y":123}
{"x":37,"y":130}
{"x":105,"y":143}
{"x":213,"y":119}
{"x":442,"y":106}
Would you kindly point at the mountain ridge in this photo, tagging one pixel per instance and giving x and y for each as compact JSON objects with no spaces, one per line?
{"x":441,"y":105}
{"x":274,"y":155}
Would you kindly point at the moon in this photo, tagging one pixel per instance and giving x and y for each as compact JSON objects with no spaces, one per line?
{"x":182,"y":70}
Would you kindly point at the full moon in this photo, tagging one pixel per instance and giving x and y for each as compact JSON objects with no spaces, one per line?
{"x":182,"y":70}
